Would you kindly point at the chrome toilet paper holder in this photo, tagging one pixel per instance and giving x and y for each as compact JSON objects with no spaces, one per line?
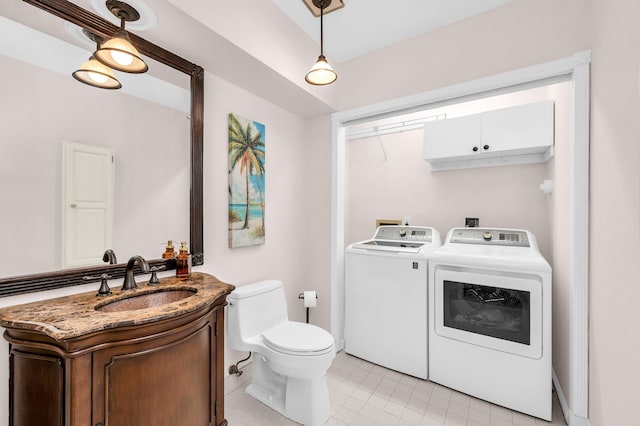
{"x":301,"y":297}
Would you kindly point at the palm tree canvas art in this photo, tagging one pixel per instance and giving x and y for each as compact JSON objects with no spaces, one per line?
{"x":246,"y":182}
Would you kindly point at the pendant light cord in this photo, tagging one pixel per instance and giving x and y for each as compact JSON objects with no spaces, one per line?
{"x":321,"y":36}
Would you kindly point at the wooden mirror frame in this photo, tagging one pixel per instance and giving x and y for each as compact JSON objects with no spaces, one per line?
{"x":65,"y":278}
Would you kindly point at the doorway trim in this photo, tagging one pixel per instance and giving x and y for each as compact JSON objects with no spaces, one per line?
{"x":576,"y":68}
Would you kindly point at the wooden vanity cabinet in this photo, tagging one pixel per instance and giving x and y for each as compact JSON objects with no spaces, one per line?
{"x":165,"y":373}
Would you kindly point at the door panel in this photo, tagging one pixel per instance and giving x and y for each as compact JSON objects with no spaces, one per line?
{"x":140,"y":384}
{"x":41,"y":383}
{"x":87,"y":205}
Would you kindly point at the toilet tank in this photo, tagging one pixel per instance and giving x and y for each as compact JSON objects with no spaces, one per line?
{"x":253,"y":309}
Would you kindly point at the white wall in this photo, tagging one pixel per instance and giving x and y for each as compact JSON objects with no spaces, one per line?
{"x":558,"y":211}
{"x":284,"y":254}
{"x":318,"y":228}
{"x":615,"y":213}
{"x":405,"y":185}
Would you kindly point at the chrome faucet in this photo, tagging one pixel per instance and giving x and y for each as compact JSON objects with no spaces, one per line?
{"x":110,"y":256}
{"x":129,"y":282}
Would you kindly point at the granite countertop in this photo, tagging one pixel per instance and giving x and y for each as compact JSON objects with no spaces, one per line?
{"x":69,"y":317}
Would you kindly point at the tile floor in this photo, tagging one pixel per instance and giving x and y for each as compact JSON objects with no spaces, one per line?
{"x":364,"y":394}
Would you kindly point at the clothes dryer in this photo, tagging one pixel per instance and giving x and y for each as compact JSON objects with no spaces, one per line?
{"x":490,"y":318}
{"x":386,"y":297}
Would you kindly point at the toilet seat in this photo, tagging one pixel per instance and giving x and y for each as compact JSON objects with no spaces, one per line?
{"x":296,"y":338}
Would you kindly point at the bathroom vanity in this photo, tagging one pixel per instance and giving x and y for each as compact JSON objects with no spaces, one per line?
{"x":149,"y":356}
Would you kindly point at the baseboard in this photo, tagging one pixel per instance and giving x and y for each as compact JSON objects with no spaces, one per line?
{"x":569,"y":417}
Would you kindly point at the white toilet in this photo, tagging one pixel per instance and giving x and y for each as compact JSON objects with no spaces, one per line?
{"x":290,"y":359}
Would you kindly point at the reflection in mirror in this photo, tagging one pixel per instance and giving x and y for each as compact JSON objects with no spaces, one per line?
{"x":151,"y":162}
{"x":146,"y":125}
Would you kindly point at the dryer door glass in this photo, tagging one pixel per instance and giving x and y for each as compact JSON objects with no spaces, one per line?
{"x":490,"y":311}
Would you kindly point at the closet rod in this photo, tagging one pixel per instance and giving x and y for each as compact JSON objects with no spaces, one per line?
{"x":397,"y":127}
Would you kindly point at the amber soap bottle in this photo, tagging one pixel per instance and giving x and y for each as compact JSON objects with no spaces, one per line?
{"x":183,"y":263}
{"x":169,"y":252}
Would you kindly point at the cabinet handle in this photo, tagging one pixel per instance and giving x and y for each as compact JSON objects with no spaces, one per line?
{"x":486,"y":147}
{"x":475,"y":149}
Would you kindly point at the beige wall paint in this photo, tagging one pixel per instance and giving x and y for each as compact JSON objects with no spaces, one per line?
{"x":558,"y":210}
{"x":615,"y":213}
{"x":405,"y":185}
{"x":317,"y":139}
{"x":284,"y":254}
{"x":519,"y":34}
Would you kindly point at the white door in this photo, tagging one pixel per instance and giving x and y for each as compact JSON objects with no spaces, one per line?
{"x":87,"y":203}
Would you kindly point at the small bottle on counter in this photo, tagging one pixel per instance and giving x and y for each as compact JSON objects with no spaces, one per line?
{"x":169,"y":252}
{"x":183,"y":263}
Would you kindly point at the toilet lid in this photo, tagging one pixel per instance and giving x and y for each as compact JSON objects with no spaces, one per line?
{"x":297,"y":337}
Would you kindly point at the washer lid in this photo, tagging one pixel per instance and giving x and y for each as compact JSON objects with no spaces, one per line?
{"x":385,"y":245}
{"x":297,"y":337}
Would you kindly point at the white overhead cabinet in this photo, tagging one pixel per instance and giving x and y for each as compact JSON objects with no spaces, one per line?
{"x":516,"y":135}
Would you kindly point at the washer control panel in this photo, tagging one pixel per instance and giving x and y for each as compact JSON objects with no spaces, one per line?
{"x":403,"y":233}
{"x":494,"y":237}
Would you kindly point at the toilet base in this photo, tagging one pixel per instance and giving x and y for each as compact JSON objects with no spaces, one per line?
{"x":305,"y":401}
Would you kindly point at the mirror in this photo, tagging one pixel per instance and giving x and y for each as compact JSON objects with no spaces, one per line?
{"x":153,"y":155}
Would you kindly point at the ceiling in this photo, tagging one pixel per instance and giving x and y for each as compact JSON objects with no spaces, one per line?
{"x":363,"y":26}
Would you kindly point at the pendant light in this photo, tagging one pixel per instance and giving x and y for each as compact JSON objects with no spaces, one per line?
{"x":93,"y":72}
{"x":118,"y":52}
{"x":96,"y":74}
{"x":321,"y":72}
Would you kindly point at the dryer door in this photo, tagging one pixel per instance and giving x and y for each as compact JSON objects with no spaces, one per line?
{"x":501,"y":311}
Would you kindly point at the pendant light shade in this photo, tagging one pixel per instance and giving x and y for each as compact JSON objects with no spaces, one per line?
{"x":96,"y":74}
{"x":118,"y":52}
{"x":321,"y":72}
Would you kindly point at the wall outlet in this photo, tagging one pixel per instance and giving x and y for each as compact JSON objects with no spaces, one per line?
{"x":471,"y":222}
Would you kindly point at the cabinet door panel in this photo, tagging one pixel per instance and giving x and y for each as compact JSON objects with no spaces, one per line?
{"x":453,"y":137}
{"x":166,"y":386}
{"x":523,"y":128}
{"x":37,"y":390}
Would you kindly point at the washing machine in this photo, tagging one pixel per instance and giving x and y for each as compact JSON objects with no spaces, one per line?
{"x":386,"y":297}
{"x":490,"y":318}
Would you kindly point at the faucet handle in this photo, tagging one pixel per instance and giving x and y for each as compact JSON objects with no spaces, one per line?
{"x":104,"y":289}
{"x":154,"y":278}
